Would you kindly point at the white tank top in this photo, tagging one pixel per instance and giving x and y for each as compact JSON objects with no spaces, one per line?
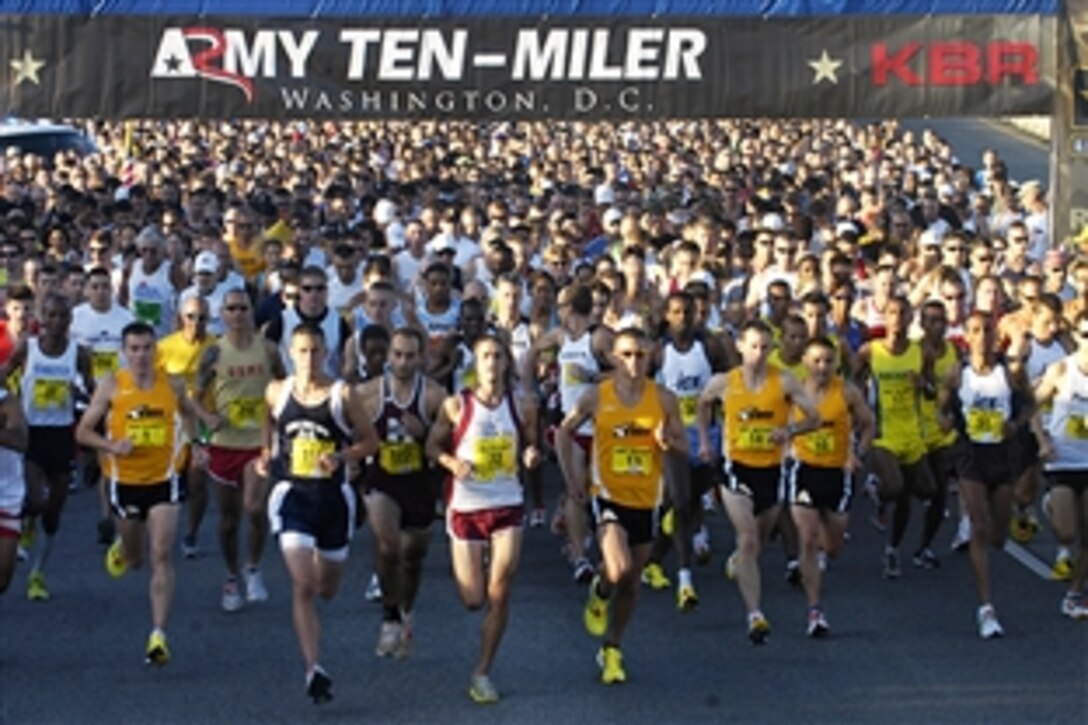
{"x":685,"y":374}
{"x":986,"y":403}
{"x":152,"y":298}
{"x":1068,"y":424}
{"x":330,"y":326}
{"x":439,"y":324}
{"x":490,"y":439}
{"x":571,"y":388}
{"x":47,"y":385}
{"x":1041,"y":357}
{"x":100,"y":332}
{"x":12,"y":478}
{"x":464,"y":375}
{"x":521,"y":340}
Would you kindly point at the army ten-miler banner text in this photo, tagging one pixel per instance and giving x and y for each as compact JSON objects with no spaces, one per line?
{"x":622,"y":68}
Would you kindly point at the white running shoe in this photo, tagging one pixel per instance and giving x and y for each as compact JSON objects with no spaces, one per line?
{"x":963,"y":535}
{"x":388,"y":639}
{"x":700,"y":545}
{"x":255,"y":588}
{"x":1075,"y":606}
{"x":373,"y":589}
{"x":232,"y":596}
{"x":988,"y":626}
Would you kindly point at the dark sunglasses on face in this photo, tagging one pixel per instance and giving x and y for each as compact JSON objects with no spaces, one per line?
{"x":313,"y":288}
{"x":235,"y":308}
{"x":193,"y":317}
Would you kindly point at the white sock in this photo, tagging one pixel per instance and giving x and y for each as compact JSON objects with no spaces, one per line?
{"x":684,"y":575}
{"x":1063,"y":553}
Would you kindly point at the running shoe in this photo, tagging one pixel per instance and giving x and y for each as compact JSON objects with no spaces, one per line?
{"x":107,"y":531}
{"x":700,"y":546}
{"x":232,"y":595}
{"x":583,"y":571}
{"x":731,"y":566}
{"x":668,"y":522}
{"x":610,"y":660}
{"x":319,"y":685}
{"x":926,"y":559}
{"x":686,"y":598}
{"x":255,"y":588}
{"x":36,"y":590}
{"x":653,"y":576}
{"x":158,"y":653}
{"x":482,"y":690}
{"x":388,"y":638}
{"x":596,"y":611}
{"x":988,"y":626}
{"x":404,"y":646}
{"x":708,"y":502}
{"x":1074,"y":606}
{"x":537,"y":518}
{"x":189,"y":548}
{"x":116,"y":565}
{"x":759,"y":629}
{"x":818,"y":627}
{"x":892,"y":569}
{"x":373,"y":589}
{"x":962,"y":539}
{"x":1023,"y":528}
{"x":793,"y":573}
{"x":879,"y":518}
{"x":1062,"y":569}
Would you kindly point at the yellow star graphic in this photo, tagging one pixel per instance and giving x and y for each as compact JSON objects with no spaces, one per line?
{"x":825,"y":68}
{"x":26,"y":69}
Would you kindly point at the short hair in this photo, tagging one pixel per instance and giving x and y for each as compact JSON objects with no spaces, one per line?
{"x":136,"y":329}
{"x":683,"y":295}
{"x":755,"y":324}
{"x":439,"y":267}
{"x":308,"y":329}
{"x":796,"y":320}
{"x":1049,"y":301}
{"x":377,"y":333}
{"x":635,"y":333}
{"x":98,"y":272}
{"x":313,"y":270}
{"x":411,"y":333}
{"x":815,"y":297}
{"x":820,"y":341}
{"x":21,"y":293}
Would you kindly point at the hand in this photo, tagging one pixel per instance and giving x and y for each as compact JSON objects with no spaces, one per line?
{"x":260,"y":466}
{"x":122,"y":447}
{"x":215,"y":423}
{"x":200,"y":457}
{"x":412,"y":425}
{"x":1046,"y":449}
{"x":330,"y":462}
{"x":781,"y":436}
{"x":461,"y":469}
{"x":531,"y":457}
{"x":705,"y":454}
{"x":661,"y":436}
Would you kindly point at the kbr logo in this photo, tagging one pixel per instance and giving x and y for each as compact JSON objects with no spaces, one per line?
{"x":228,"y":56}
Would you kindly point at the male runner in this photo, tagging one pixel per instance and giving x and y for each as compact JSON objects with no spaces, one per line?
{"x":636,"y":421}
{"x":477,"y":437}
{"x":13,"y":442}
{"x":232,"y":376}
{"x":400,"y":489}
{"x":144,"y":412}
{"x":314,"y":426}
{"x":756,"y":401}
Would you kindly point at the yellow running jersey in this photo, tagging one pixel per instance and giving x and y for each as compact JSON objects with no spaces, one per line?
{"x":942,"y":368}
{"x":751,"y":416}
{"x":829,"y":445}
{"x":894,"y":398}
{"x":627,"y":462}
{"x":151,"y":420}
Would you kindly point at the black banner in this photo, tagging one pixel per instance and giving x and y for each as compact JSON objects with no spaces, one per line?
{"x":494,"y":68}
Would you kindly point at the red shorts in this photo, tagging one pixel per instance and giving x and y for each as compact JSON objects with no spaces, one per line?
{"x":11,"y":525}
{"x":226,"y":465}
{"x":585,"y":442}
{"x":481,"y":525}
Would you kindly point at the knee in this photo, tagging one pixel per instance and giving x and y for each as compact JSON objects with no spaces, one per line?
{"x":327,"y":591}
{"x":747,"y":543}
{"x":473,"y":601}
{"x":161,"y":558}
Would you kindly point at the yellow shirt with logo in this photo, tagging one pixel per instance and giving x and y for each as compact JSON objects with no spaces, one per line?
{"x":238,"y":393}
{"x":928,"y":407}
{"x":627,"y":461}
{"x":175,"y":355}
{"x":751,"y":416}
{"x":151,"y":420}
{"x":895,"y":400}
{"x":829,"y":445}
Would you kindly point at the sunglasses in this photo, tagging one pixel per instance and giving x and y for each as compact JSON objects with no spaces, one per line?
{"x":954,"y":298}
{"x":290,"y":296}
{"x":842,"y":298}
{"x":307,"y":288}
{"x":235,"y":308}
{"x":1018,"y":240}
{"x":1082,"y":333}
{"x":984,"y":260}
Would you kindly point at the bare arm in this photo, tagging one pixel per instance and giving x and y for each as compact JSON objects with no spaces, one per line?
{"x":564,"y":440}
{"x":83,"y":365}
{"x":366,"y":438}
{"x":862,"y":417}
{"x":16,"y":361}
{"x":14,"y":434}
{"x":671,"y":437}
{"x":438,"y":440}
{"x":710,"y":397}
{"x":205,"y":371}
{"x":800,"y":398}
{"x":86,"y":435}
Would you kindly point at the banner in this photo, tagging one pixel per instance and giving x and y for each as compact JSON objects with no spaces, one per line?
{"x":506,"y":68}
{"x":1069,"y":128}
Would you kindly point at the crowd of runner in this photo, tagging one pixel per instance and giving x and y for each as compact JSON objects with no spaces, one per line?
{"x":328,"y":325}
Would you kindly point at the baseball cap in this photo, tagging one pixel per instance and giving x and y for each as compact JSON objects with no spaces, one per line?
{"x":206,"y":262}
{"x":611,"y":216}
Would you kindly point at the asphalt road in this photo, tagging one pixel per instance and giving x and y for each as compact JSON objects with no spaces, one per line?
{"x":900,"y":651}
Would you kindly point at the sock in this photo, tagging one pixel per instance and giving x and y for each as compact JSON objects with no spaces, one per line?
{"x":1063,"y":553}
{"x":684,"y":575}
{"x":391,"y":613}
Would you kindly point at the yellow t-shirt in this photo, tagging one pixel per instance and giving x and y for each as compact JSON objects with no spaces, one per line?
{"x":627,"y":462}
{"x":829,"y":445}
{"x":175,"y":355}
{"x":149,"y":418}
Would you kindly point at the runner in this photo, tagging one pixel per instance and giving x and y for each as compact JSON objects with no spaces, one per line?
{"x":476,"y":437}
{"x":144,"y":412}
{"x":636,"y":422}
{"x":233,"y":374}
{"x":55,"y":368}
{"x":400,"y":490}
{"x":981,"y":402}
{"x":150,"y":285}
{"x":314,"y":427}
{"x":312,"y":307}
{"x":1065,"y":452}
{"x":13,"y":444}
{"x":821,"y":477}
{"x":756,"y":402}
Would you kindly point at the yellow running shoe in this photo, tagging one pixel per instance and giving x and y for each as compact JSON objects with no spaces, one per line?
{"x":610,"y":660}
{"x":731,"y":566}
{"x":482,"y":691}
{"x":36,"y":591}
{"x":596,"y":612}
{"x":668,"y":522}
{"x":157,"y":652}
{"x":653,"y":576}
{"x":686,"y":598}
{"x":1022,"y":529}
{"x":1062,"y":570}
{"x":115,"y":560}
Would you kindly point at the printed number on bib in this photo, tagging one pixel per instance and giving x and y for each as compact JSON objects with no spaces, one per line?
{"x":984,"y":425}
{"x":821,"y":442}
{"x":632,"y":460}
{"x":50,"y":393}
{"x":146,"y":433}
{"x":306,"y":454}
{"x":689,"y":407}
{"x":494,"y":457}
{"x":1076,"y":426}
{"x":755,"y":438}
{"x":104,"y":362}
{"x":399,"y":458}
{"x":245,"y":413}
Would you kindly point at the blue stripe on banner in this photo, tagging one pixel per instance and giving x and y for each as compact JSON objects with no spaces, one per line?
{"x":424,"y":9}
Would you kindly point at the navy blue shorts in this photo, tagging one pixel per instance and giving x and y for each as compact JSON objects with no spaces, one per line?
{"x":314,"y":516}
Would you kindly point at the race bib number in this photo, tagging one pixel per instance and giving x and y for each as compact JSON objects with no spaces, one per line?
{"x":632,"y":460}
{"x":50,"y":393}
{"x":400,"y":458}
{"x":755,"y":438}
{"x":689,"y":407}
{"x":985,"y":425}
{"x":146,"y":433}
{"x":104,"y":362}
{"x":1076,"y":426}
{"x":494,"y":457}
{"x":147,"y":311}
{"x":245,"y":413}
{"x":820,"y":442}
{"x":306,"y":454}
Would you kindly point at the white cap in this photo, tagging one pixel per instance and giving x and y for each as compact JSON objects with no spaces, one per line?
{"x":206,"y":262}
{"x":772,"y":222}
{"x":845,"y":227}
{"x":442,"y":243}
{"x":385,"y":211}
{"x":603,"y":195}
{"x":930,"y":238}
{"x":611,"y":216}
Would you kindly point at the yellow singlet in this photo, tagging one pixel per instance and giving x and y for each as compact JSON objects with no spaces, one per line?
{"x":942,"y":368}
{"x":150,"y":419}
{"x":627,"y":462}
{"x":895,"y":401}
{"x":240,"y":380}
{"x":751,"y":417}
{"x":829,"y":445}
